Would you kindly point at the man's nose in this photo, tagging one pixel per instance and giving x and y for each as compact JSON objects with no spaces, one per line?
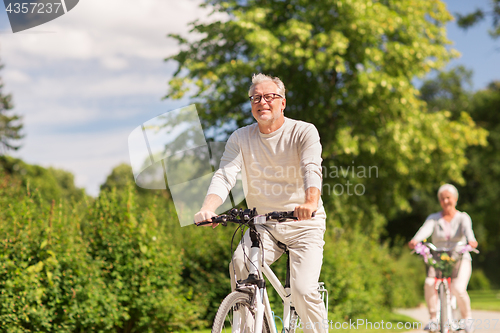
{"x":263,"y":101}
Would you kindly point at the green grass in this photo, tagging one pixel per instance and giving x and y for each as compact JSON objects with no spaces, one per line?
{"x":485,"y":299}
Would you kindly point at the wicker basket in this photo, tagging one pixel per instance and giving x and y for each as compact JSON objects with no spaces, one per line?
{"x":454,"y":263}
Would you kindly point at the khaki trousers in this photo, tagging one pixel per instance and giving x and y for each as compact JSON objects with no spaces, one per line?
{"x":305,"y":243}
{"x":458,"y":288}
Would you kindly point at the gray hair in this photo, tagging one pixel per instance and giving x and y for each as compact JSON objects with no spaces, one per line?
{"x":450,"y":188}
{"x":259,"y":78}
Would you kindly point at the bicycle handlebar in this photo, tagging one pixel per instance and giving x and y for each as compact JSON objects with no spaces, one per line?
{"x":449,"y":249}
{"x":244,"y":216}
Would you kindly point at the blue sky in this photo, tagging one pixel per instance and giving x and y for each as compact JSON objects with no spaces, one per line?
{"x":84,"y":81}
{"x":479,"y":51}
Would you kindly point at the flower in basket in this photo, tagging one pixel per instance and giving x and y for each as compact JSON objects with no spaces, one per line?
{"x":445,"y":257}
{"x":445,"y":264}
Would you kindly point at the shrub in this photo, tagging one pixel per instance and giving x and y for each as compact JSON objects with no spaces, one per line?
{"x":111,"y":269}
{"x":142,"y":268}
{"x":48,"y":281}
{"x":479,"y":281}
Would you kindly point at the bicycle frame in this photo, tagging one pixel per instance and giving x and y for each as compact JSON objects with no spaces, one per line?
{"x":255,"y":285}
{"x":284,"y":293}
{"x":257,"y":268}
{"x":449,"y":313}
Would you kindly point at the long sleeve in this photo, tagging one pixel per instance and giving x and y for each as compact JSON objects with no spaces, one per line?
{"x":310,"y":158}
{"x":425,"y":230}
{"x":224,"y":178}
{"x":467,"y":227}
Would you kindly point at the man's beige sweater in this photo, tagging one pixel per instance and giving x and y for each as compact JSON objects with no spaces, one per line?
{"x":276,"y":168}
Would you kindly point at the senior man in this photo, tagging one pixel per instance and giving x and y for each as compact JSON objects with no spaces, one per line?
{"x":280,"y":162}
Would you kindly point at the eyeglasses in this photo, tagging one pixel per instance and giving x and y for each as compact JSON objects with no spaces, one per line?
{"x":267,"y":97}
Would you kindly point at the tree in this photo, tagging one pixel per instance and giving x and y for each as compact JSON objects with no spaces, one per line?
{"x":51,"y":183}
{"x":10,"y":125}
{"x":468,"y":20}
{"x":451,"y":91}
{"x":479,"y":194}
{"x":348,"y":67}
{"x":482,"y":188}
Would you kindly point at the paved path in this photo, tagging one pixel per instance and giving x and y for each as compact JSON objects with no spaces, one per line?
{"x":481,"y":319}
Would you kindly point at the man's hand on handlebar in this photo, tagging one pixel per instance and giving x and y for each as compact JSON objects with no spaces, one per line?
{"x":205,"y":216}
{"x":305,"y":211}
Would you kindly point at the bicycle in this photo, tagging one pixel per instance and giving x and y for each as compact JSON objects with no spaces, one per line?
{"x":248,"y":307}
{"x":442,"y":282}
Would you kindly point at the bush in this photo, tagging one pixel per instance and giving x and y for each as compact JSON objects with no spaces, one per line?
{"x":142,"y":267}
{"x":363,"y":279}
{"x":479,"y":281}
{"x":48,"y":281}
{"x":112,"y":269}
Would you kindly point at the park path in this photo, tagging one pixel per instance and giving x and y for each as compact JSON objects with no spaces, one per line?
{"x":480,"y":318}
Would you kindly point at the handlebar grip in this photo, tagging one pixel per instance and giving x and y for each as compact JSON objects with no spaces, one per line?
{"x":203,"y":223}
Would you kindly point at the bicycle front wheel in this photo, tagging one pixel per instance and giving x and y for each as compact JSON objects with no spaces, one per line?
{"x":443,"y":300}
{"x":236,"y":314}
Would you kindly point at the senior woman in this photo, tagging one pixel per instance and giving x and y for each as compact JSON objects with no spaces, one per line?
{"x":448,"y":227}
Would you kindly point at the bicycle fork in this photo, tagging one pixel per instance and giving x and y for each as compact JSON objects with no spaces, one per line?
{"x":449,"y":312}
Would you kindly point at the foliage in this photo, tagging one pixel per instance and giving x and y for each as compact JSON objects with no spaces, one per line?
{"x":478,"y":281}
{"x":142,"y":267}
{"x":50,"y":182}
{"x":49,"y":283}
{"x":205,"y":252}
{"x":450,"y":91}
{"x":365,"y":280}
{"x":121,"y":177}
{"x":481,"y":190}
{"x":10,"y":125}
{"x":102,"y":266}
{"x":468,"y":20}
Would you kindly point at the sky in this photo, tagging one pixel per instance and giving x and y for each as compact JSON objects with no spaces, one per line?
{"x":84,"y":81}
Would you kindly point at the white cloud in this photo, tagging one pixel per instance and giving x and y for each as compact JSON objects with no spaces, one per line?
{"x":97,"y":29}
{"x":75,"y":70}
{"x":114,"y":63}
{"x":16,"y":76}
{"x":88,"y":156}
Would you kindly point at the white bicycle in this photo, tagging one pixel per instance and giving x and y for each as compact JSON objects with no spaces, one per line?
{"x":446,"y":321}
{"x":248,"y":308}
